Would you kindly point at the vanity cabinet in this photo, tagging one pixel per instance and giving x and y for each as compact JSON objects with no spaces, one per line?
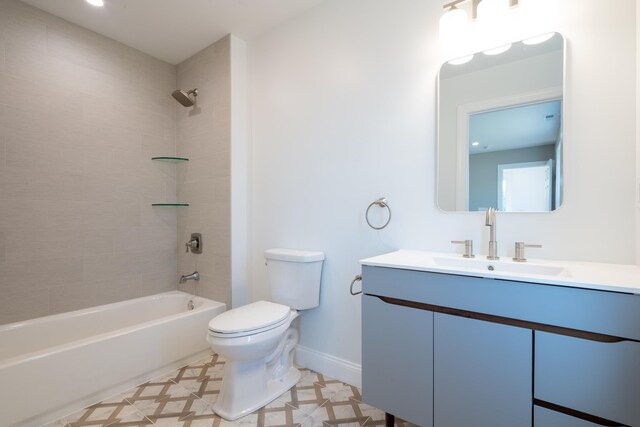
{"x":399,"y":354}
{"x":448,"y":350}
{"x":482,"y":373}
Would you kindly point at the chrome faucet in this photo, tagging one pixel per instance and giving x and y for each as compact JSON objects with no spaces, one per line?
{"x":490,"y":221}
{"x":193,"y":276}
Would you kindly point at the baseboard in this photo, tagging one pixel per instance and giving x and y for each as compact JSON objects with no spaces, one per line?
{"x":329,"y":365}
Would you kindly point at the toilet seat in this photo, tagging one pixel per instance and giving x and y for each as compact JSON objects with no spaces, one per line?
{"x":250,"y":319}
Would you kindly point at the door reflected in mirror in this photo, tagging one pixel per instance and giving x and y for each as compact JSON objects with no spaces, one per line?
{"x":500,"y":140}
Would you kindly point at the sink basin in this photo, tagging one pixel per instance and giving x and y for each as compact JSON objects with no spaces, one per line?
{"x":588,"y":275}
{"x":499,"y":266}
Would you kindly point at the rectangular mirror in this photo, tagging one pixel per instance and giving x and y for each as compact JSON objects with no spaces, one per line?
{"x":500,"y":128}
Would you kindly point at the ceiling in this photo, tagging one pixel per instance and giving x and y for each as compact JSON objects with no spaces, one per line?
{"x":516,"y":127}
{"x":174,"y":30}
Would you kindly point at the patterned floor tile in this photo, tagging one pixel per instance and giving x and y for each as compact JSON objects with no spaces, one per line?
{"x":185,"y":398}
{"x":59,"y":423}
{"x":115,"y":412}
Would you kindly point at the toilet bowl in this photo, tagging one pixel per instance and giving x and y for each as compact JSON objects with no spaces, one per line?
{"x":259,"y":362}
{"x":257,"y":340}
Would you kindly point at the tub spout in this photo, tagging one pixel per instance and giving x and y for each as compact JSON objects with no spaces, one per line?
{"x":193,"y":276}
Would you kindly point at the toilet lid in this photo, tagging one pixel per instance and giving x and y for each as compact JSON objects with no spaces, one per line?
{"x":250,"y":317}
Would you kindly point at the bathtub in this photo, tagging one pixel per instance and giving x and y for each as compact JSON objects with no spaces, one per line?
{"x":55,"y":365}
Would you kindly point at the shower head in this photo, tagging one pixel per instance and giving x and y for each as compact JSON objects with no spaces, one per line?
{"x":186,"y":98}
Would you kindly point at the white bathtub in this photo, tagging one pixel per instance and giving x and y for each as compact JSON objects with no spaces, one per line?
{"x":54,"y":365}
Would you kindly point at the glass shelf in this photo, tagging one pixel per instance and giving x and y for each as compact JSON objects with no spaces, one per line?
{"x":170,"y":204}
{"x":170,"y":159}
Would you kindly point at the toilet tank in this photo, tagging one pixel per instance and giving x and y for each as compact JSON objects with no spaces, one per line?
{"x":293,"y":277}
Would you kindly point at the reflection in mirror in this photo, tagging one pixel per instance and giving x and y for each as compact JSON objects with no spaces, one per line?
{"x":500,"y":129}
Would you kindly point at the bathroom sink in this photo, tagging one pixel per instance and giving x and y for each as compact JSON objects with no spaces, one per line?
{"x":589,"y":275}
{"x":499,"y":266}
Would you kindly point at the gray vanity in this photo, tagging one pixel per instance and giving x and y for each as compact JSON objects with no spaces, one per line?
{"x":462,"y":346}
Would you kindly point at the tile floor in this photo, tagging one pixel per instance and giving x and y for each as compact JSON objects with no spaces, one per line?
{"x":185,"y":399}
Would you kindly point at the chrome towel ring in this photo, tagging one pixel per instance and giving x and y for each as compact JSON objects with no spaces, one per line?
{"x":382,"y":202}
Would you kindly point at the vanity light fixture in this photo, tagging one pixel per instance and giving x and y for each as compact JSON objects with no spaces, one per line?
{"x":538,"y":39}
{"x":454,"y":23}
{"x":498,"y":50}
{"x":98,"y":3}
{"x":461,"y":60}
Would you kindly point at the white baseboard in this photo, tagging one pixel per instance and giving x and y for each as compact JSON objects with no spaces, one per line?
{"x":329,"y":365}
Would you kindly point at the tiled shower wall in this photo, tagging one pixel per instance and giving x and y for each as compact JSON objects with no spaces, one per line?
{"x":80,"y":117}
{"x":204,"y":135}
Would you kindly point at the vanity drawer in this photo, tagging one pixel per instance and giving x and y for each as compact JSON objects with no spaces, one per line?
{"x":597,"y":378}
{"x":543,"y":417}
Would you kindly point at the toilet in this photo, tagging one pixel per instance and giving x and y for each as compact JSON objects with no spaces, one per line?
{"x":257,"y":340}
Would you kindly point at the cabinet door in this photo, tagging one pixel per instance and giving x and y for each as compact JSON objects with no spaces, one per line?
{"x":597,"y":378}
{"x":482,"y":373}
{"x":397,"y":360}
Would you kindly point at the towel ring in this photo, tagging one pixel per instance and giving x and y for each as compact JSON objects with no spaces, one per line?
{"x":358,"y":278}
{"x":382,"y":202}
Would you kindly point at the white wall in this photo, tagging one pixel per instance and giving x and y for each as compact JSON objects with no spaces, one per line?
{"x":343,"y":105}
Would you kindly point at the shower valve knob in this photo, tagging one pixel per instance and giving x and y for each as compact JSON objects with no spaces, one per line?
{"x":194,"y":244}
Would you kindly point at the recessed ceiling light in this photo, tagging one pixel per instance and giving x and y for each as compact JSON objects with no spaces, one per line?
{"x":475,"y":144}
{"x":462,"y":60}
{"x":498,"y":50}
{"x":538,"y":39}
{"x":98,"y":3}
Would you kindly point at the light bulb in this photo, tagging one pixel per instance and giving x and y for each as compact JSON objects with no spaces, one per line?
{"x":461,"y":60}
{"x":98,"y":3}
{"x":453,"y":28}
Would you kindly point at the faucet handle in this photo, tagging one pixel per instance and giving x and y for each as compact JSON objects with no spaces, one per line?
{"x":520,"y":251}
{"x":468,"y":247}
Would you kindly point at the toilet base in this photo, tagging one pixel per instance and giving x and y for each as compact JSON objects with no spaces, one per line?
{"x":229,"y":408}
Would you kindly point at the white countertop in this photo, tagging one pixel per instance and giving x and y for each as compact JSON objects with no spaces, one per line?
{"x":587,"y":275}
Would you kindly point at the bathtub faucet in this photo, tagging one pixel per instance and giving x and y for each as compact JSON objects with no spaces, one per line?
{"x":193,"y":276}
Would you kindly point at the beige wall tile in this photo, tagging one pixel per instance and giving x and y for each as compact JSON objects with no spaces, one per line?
{"x":40,"y":274}
{"x":156,"y":282}
{"x":69,"y":298}
{"x":22,"y":214}
{"x":204,"y":182}
{"x":75,"y":181}
{"x":27,"y":64}
{"x":2,"y":151}
{"x":2,"y":56}
{"x":114,"y":290}
{"x":26,"y":123}
{"x":22,"y":305}
{"x":22,"y":25}
{"x":3,"y":245}
{"x":41,"y":243}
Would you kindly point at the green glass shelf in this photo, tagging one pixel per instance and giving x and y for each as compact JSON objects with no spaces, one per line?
{"x":171,"y":159}
{"x":170,"y":204}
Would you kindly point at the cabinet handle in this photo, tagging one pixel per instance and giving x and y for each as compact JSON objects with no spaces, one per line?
{"x":559,"y":330}
{"x":577,"y":414}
